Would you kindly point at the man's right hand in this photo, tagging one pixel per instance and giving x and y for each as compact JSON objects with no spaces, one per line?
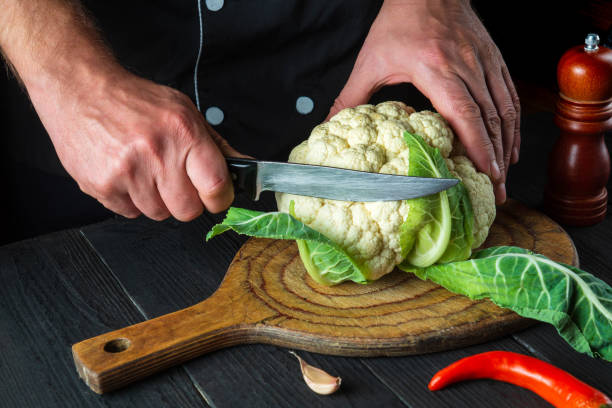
{"x":136,"y":146}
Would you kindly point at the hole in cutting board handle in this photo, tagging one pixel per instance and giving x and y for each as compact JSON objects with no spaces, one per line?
{"x":117,"y":345}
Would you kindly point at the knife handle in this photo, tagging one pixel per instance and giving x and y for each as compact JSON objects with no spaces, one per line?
{"x":244,"y":176}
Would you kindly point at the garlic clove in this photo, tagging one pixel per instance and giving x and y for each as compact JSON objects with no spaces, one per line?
{"x":318,"y":380}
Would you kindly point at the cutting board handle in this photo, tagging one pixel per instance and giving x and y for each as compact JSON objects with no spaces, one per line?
{"x":116,"y":358}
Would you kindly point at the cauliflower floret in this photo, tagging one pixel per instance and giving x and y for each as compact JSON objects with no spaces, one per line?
{"x":434,"y":129}
{"x":371,"y":138}
{"x":480,"y":190}
{"x":395,"y":110}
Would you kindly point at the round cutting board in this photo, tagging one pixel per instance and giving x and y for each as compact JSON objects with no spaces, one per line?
{"x":268,"y":297}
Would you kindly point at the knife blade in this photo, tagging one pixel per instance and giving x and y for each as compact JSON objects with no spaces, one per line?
{"x":254,"y":176}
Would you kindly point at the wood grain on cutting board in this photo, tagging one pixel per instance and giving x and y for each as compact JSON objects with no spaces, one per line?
{"x":267,"y":297}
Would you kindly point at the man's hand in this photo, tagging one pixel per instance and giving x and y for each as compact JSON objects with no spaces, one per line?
{"x":136,"y":146}
{"x":139,"y":147}
{"x":442,"y":48}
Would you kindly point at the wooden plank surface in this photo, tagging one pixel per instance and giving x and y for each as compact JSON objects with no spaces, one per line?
{"x":53,"y":291}
{"x":408,"y":377}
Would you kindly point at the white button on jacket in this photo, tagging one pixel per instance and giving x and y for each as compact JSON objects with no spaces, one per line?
{"x":214,"y":115}
{"x":304,"y":105}
{"x":214,"y":5}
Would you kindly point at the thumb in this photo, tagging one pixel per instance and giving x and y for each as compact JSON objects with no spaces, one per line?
{"x":357,"y":91}
{"x":207,"y":169}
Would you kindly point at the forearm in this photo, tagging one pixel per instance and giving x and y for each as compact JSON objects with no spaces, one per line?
{"x":51,"y":44}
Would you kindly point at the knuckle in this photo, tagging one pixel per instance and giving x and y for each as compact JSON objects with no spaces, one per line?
{"x":509,"y":113}
{"x":468,"y":109}
{"x":189,"y":214}
{"x":179,"y":97}
{"x":469,"y":53}
{"x":512,"y":89}
{"x":104,"y":187}
{"x":181,"y":122}
{"x":107,"y":185}
{"x":147,"y":145}
{"x":493,"y":122}
{"x":484,"y":144}
{"x":490,"y":50}
{"x":184,"y":205}
{"x":124,"y":164}
{"x":158,"y":214}
{"x":436,"y":54}
{"x":517,"y":105}
{"x":146,"y":149}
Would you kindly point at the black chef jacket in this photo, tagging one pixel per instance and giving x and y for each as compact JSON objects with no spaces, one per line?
{"x":256,"y":59}
{"x":268,"y":72}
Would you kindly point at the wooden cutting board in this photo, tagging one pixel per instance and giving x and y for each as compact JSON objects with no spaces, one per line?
{"x":267,"y":297}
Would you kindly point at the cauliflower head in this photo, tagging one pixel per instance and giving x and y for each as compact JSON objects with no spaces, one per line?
{"x":379,"y":235}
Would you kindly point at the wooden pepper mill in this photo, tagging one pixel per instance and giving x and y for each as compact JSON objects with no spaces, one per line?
{"x":579,"y":164}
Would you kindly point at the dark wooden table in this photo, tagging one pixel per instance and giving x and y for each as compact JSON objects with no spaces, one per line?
{"x":61,"y":288}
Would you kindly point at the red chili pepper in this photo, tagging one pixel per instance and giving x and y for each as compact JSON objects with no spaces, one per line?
{"x":551,"y":383}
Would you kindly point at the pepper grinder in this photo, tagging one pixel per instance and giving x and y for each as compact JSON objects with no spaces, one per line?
{"x":579,"y":164}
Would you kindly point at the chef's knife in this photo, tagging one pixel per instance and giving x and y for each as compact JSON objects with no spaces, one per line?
{"x":254,"y":176}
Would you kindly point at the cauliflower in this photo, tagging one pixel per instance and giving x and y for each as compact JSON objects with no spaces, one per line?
{"x":434,"y":129}
{"x":379,"y":235}
{"x":480,"y":190}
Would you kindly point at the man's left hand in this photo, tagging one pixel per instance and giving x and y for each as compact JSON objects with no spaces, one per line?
{"x":442,"y":48}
